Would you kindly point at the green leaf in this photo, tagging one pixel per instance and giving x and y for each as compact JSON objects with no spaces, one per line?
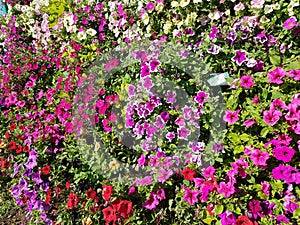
{"x":238,"y":149}
{"x":275,"y":59}
{"x":234,"y":138}
{"x":295,"y":65}
{"x":244,"y":137}
{"x":219,"y":209}
{"x":264,"y":132}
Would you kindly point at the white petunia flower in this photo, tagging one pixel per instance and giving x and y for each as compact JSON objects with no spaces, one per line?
{"x":91,"y":32}
{"x":184,"y":3}
{"x":174,"y":4}
{"x":268,"y":9}
{"x":81,"y":35}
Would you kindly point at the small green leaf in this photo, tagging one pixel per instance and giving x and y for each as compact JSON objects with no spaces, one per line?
{"x":219,"y":209}
{"x":264,"y":132}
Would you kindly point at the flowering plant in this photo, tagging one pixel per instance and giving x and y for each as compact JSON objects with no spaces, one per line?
{"x":50,"y":105}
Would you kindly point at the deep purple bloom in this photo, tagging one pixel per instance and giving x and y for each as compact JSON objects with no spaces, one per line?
{"x":215,"y":49}
{"x":240,"y":57}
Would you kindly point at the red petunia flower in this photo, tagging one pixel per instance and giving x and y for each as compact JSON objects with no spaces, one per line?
{"x":243,"y":220}
{"x":46,"y":169}
{"x":12,"y":126}
{"x":123,"y":207}
{"x":19,"y":149}
{"x":12,"y":145}
{"x":107,"y":191}
{"x":90,"y":194}
{"x":68,"y":185}
{"x":72,"y":201}
{"x":109,"y":214}
{"x":188,"y":174}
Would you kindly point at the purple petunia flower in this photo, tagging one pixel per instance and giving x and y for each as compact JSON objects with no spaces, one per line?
{"x":23,"y":184}
{"x":240,"y":57}
{"x":215,"y":49}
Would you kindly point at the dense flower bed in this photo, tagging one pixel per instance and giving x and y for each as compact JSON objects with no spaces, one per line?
{"x":251,"y":177}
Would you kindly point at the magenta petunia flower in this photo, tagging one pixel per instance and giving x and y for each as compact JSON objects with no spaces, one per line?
{"x":291,"y":175}
{"x":259,"y":158}
{"x":226,"y":190}
{"x":191,"y":196}
{"x":278,"y":172}
{"x":276,"y":75}
{"x":265,"y":188}
{"x":255,"y":208}
{"x":277,"y":104}
{"x":248,"y":123}
{"x":272,"y":116}
{"x":208,"y":172}
{"x":227,"y":218}
{"x":183,"y":133}
{"x":231,"y":117}
{"x":215,"y":49}
{"x":150,"y":6}
{"x":290,"y":23}
{"x":160,"y":194}
{"x":240,"y":57}
{"x":284,"y":153}
{"x":246,"y":82}
{"x":151,"y":202}
{"x":200,"y":98}
{"x":171,"y":97}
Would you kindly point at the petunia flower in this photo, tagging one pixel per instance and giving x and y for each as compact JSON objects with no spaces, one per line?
{"x":240,"y":57}
{"x":231,"y":117}
{"x":276,"y":75}
{"x":246,"y":82}
{"x":191,"y":196}
{"x":284,"y":153}
{"x":290,"y":23}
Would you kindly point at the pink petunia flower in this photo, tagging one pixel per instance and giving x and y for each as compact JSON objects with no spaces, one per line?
{"x":276,"y":75}
{"x":191,"y":196}
{"x":231,"y":117}
{"x":284,"y":153}
{"x":272,"y":116}
{"x":290,"y":23}
{"x":259,"y":158}
{"x":248,"y":123}
{"x":246,"y":82}
{"x":151,"y":202}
